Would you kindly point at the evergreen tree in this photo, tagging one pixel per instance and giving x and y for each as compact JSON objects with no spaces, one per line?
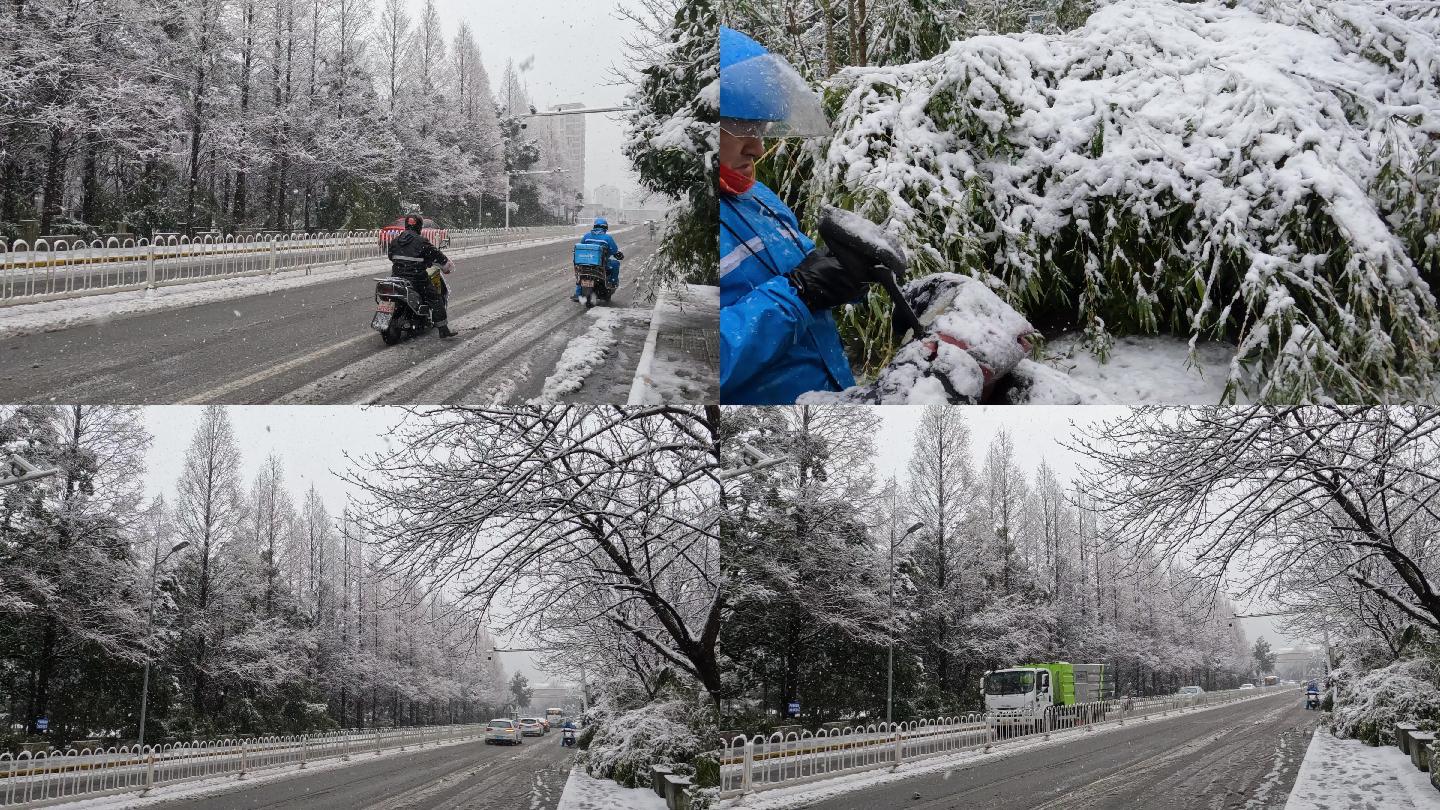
{"x":673,"y":140}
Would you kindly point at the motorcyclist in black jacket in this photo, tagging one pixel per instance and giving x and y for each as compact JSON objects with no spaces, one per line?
{"x":411,"y":255}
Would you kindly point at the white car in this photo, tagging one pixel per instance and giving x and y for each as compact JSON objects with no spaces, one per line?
{"x":1190,"y":690}
{"x":532,"y":727}
{"x":502,"y":730}
{"x":1247,"y":686}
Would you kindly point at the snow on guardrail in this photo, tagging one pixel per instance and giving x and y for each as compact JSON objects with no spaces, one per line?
{"x":50,"y":269}
{"x":50,"y":777}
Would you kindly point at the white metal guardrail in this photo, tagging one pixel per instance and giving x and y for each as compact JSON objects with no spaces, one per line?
{"x":754,"y":763}
{"x":47,"y":778}
{"x":50,"y":269}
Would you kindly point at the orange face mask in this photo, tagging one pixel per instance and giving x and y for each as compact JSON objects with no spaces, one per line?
{"x":733,"y":182}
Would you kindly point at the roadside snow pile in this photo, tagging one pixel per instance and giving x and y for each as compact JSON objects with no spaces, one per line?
{"x":973,"y":351}
{"x":582,"y":355}
{"x":629,"y":742}
{"x":1263,"y":172}
{"x":1367,"y":706}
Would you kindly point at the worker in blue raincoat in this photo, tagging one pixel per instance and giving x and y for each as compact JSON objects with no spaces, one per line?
{"x":600,"y":234}
{"x":778,"y":338}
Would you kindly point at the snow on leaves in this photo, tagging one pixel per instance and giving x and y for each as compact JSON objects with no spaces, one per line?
{"x":1266,"y":173}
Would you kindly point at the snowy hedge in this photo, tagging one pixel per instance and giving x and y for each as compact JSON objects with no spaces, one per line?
{"x":627,"y":742}
{"x":1265,"y":172}
{"x":1368,"y":705}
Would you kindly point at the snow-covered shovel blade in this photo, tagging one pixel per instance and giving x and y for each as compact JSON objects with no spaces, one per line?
{"x":855,"y":239}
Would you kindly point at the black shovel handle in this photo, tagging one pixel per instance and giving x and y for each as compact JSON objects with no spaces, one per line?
{"x":902,"y":317}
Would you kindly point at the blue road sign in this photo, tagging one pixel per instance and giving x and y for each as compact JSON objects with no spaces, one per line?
{"x":42,"y":723}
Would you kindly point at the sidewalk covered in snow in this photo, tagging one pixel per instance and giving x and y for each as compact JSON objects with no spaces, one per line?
{"x":1344,"y":774}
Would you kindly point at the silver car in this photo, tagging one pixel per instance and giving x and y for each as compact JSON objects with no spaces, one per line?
{"x":502,"y":730}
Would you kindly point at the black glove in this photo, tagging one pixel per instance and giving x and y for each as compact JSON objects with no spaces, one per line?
{"x":619,"y":255}
{"x":824,"y":282}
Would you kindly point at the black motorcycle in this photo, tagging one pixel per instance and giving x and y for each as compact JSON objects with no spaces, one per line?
{"x":399,"y":310}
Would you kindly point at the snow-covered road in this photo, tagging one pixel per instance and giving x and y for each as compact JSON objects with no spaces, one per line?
{"x":469,"y":775}
{"x":1243,"y":755}
{"x":312,"y":344}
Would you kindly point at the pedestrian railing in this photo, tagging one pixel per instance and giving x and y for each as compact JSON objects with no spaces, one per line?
{"x":760,"y":762}
{"x":50,"y":777}
{"x":64,"y":267}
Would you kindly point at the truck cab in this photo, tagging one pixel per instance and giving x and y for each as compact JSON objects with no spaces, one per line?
{"x":1018,"y":690}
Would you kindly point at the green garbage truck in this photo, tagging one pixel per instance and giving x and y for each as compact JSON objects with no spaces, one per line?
{"x":1030,"y":689}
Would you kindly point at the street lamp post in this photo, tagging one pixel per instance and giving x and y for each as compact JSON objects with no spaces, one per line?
{"x":890,"y":665}
{"x":156,"y":562}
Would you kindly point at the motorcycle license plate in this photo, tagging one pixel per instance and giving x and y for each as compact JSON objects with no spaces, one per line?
{"x":381,"y":321}
{"x":587,"y":283}
{"x":385,"y":306}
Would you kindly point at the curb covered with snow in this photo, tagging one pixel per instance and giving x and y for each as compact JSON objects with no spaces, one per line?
{"x":1341,"y":774}
{"x":585,"y":792}
{"x":651,"y":380}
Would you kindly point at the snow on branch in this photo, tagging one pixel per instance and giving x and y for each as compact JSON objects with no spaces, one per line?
{"x":557,"y":521}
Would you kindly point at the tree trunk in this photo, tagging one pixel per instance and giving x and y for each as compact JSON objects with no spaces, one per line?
{"x":53,"y":188}
{"x":90,"y":181}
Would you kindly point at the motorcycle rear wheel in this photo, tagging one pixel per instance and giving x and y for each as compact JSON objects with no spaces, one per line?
{"x":392,"y":333}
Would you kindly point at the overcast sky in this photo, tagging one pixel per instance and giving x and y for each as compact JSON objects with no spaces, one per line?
{"x":310,"y":439}
{"x":574,"y":45}
{"x":1039,"y":433}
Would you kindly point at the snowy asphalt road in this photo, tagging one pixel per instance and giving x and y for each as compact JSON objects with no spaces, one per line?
{"x":473,"y":776}
{"x":1243,"y":755}
{"x":314,"y":344}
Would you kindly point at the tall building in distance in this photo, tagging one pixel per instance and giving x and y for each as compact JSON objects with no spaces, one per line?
{"x":568,"y":132}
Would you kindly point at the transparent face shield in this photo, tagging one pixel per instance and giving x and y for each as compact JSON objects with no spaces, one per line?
{"x":766,"y":97}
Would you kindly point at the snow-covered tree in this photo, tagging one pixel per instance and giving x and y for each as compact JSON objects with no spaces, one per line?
{"x":673,"y":139}
{"x":806,"y":584}
{"x":242,"y":115}
{"x":68,"y":577}
{"x":518,"y":511}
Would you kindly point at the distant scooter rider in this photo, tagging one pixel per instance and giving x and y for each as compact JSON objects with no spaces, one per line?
{"x":411,"y":255}
{"x":600,"y":234}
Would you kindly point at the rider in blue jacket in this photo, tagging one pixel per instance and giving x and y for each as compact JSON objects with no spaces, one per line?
{"x":600,"y":234}
{"x":778,"y":338}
